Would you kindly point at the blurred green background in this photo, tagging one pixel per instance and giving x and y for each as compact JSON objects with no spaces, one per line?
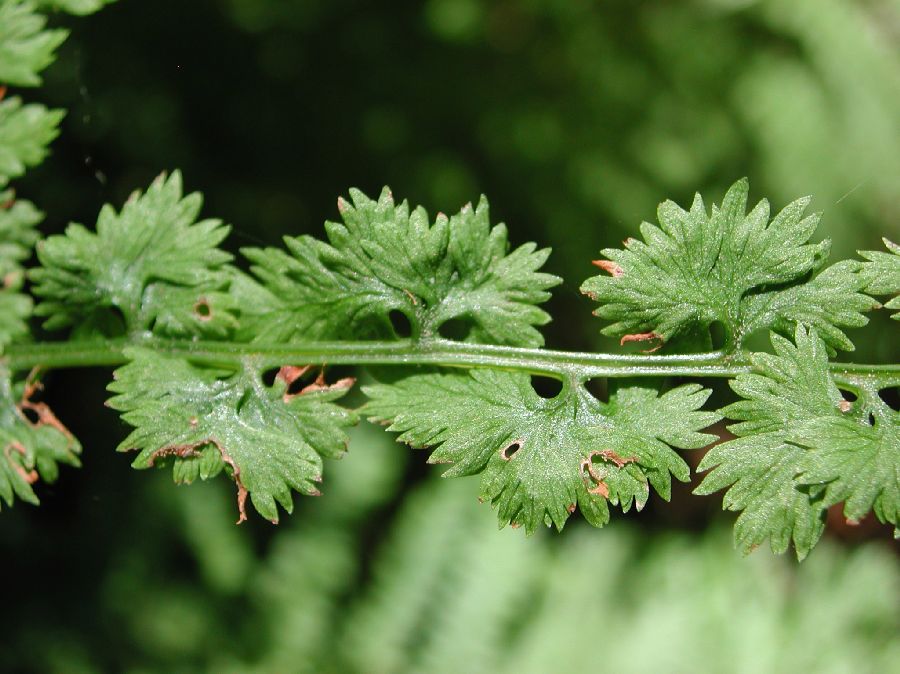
{"x":576,"y":118}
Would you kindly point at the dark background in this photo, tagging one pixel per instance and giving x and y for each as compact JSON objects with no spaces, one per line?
{"x":575,"y":118}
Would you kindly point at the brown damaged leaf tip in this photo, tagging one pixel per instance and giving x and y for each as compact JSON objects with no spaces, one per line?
{"x":587,"y":469}
{"x":242,"y":490}
{"x":29,"y":476}
{"x":181,"y":451}
{"x":291,"y":373}
{"x":189,"y":450}
{"x":45,"y":416}
{"x":643,"y":337}
{"x":608,"y":266}
{"x":610,"y":455}
{"x":600,"y":489}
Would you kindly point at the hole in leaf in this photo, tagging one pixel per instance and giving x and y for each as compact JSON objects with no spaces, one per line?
{"x":202,"y":309}
{"x":757,"y":341}
{"x":508,"y":452}
{"x":599,"y":388}
{"x":717,"y":335}
{"x":457,"y":329}
{"x":400,"y":323}
{"x":891,"y":397}
{"x":849,"y":396}
{"x":30,"y":414}
{"x":297,"y":385}
{"x":335,"y":372}
{"x":546,"y":387}
{"x":268,"y":377}
{"x":871,"y":419}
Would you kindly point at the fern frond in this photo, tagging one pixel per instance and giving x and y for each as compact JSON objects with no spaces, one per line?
{"x":855,"y":460}
{"x":18,"y":219}
{"x":17,"y":238}
{"x":447,"y":594}
{"x":802,"y":447}
{"x":26,"y":46}
{"x":197,"y":336}
{"x":732,"y":267}
{"x":883,"y":273}
{"x":32,"y":448}
{"x":541,"y":458}
{"x":25,"y":133}
{"x":151,"y":267}
{"x":271,"y":440}
{"x":383,"y":258}
{"x":77,"y":7}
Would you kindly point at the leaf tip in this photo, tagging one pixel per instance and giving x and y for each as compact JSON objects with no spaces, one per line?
{"x":608,"y":266}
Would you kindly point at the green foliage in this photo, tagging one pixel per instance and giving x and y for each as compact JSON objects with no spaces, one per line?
{"x":270,"y":439}
{"x":883,"y":272}
{"x":31,"y":448}
{"x":15,"y":309}
{"x":541,"y":457}
{"x":18,"y":219}
{"x":577,"y":115}
{"x":33,"y":441}
{"x":152,"y":288}
{"x":151,"y":267}
{"x":25,"y":133}
{"x":856,"y":460}
{"x":802,"y":447}
{"x":26,"y":46}
{"x":443,"y":591}
{"x":384,"y":258}
{"x":17,"y":236}
{"x":731,"y":267}
{"x":79,"y":7}
{"x":459,"y":597}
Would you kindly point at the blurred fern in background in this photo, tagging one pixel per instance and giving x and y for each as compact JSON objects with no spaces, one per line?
{"x":444,"y":591}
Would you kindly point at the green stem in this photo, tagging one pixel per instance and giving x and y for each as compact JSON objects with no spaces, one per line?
{"x":445,"y":353}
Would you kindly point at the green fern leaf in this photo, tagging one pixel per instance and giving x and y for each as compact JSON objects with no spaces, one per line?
{"x":26,"y":47}
{"x":17,"y":238}
{"x":15,"y":309}
{"x":883,"y":273}
{"x":78,"y":7}
{"x":17,"y":235}
{"x":542,"y":457}
{"x":857,"y":461}
{"x":32,"y":449}
{"x":269,"y":439}
{"x":149,"y":267}
{"x":801,"y":448}
{"x":384,"y":258}
{"x":25,"y":133}
{"x":728,"y":266}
